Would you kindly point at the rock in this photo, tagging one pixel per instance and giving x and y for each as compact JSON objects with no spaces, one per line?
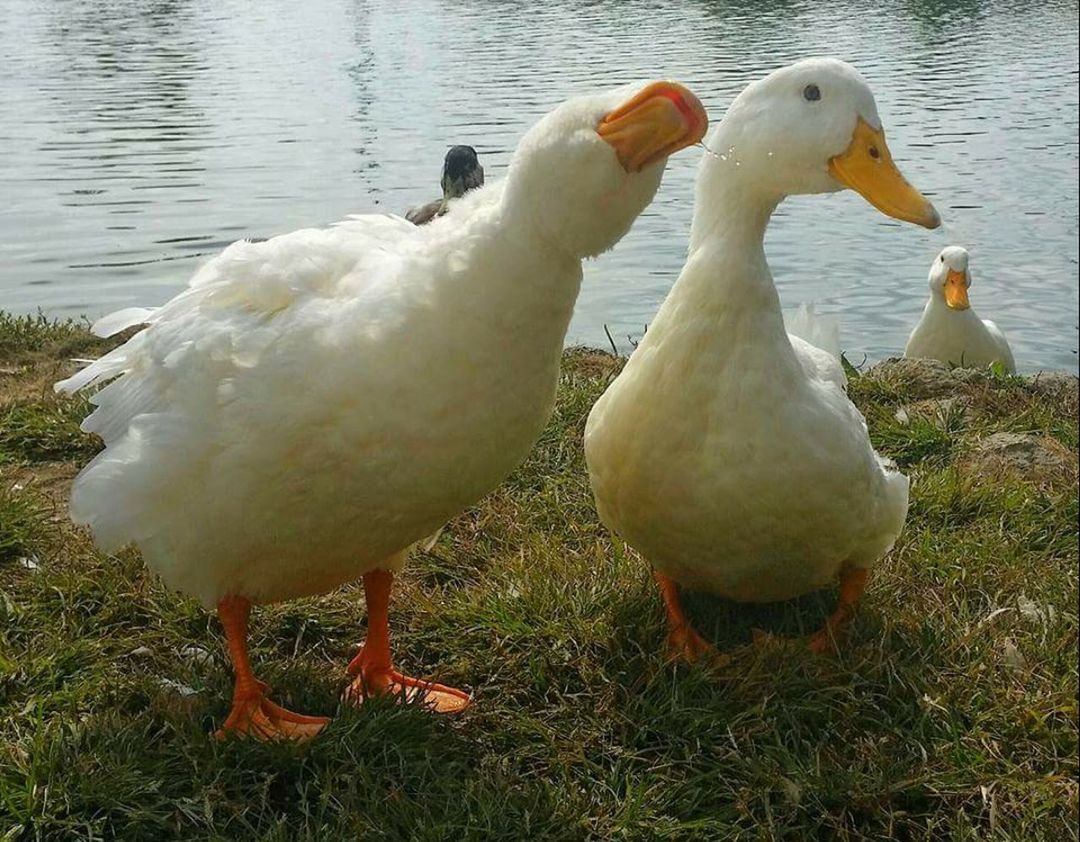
{"x":196,"y":655}
{"x":180,"y":689}
{"x":1043,"y":615}
{"x":1013,"y":657}
{"x":1033,"y":457}
{"x":922,"y":379}
{"x":1055,"y":384}
{"x":30,"y":562}
{"x":937,"y":409}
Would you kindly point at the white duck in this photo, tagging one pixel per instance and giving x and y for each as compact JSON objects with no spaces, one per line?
{"x":725,"y":453}
{"x":949,"y":330}
{"x":314,"y":404}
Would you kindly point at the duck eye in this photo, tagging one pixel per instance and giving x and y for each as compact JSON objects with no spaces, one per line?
{"x":811,"y":93}
{"x":874,"y":153}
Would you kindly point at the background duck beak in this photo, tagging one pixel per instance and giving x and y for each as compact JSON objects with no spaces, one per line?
{"x":956,"y":290}
{"x":657,"y":122}
{"x":867,"y":167}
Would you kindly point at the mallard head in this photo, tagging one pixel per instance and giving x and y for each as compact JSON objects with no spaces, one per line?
{"x":461,"y":172}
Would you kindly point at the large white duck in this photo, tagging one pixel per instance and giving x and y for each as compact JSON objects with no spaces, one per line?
{"x":726,"y":453}
{"x":949,"y":329}
{"x":313,"y":405}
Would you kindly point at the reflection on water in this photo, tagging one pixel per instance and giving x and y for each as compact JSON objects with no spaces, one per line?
{"x":135,"y":138}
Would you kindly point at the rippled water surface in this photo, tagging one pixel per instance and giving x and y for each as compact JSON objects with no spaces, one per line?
{"x":137,"y":137}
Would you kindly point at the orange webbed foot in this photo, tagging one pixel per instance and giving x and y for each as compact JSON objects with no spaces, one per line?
{"x":822,"y":642}
{"x":685,"y":644}
{"x":256,"y":716}
{"x":852,"y":584}
{"x":436,"y":697}
{"x":381,"y":680}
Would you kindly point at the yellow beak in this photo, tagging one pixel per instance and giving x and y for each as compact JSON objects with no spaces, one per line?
{"x":867,"y":167}
{"x":956,"y":290}
{"x":657,"y":122}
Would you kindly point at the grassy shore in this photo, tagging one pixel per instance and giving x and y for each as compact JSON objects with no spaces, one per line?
{"x":951,"y":713}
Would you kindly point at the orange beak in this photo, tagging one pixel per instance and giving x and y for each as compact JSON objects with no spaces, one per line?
{"x":657,"y":122}
{"x":956,"y":287}
{"x":867,"y":167}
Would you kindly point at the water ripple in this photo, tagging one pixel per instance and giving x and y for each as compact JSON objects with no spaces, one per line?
{"x":135,"y":138}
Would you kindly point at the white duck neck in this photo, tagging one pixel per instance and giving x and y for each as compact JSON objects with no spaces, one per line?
{"x":726,"y":279}
{"x":938,"y":311}
{"x":514,"y":288}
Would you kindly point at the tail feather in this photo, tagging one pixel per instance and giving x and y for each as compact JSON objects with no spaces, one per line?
{"x":820,"y":331}
{"x":113,"y":323}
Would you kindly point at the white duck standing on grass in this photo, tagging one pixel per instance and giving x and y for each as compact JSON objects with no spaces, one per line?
{"x":727,"y":454}
{"x":949,"y":330}
{"x":314,"y":404}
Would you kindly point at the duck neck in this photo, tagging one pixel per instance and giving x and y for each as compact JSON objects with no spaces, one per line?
{"x":512,"y":286}
{"x":730,"y":209}
{"x":726,"y":281}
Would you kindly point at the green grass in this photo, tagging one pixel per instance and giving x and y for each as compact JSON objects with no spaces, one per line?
{"x":44,"y":431}
{"x":22,"y":335}
{"x":18,"y":523}
{"x":950,"y":713}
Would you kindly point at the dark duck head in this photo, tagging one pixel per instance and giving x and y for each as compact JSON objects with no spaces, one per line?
{"x":461,"y":173}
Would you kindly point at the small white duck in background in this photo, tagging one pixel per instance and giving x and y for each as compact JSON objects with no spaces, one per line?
{"x":726,"y":453}
{"x":313,"y":405}
{"x":949,"y":329}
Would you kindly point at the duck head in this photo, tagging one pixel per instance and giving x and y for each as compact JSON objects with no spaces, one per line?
{"x":811,"y":127}
{"x":949,"y":278}
{"x":581,"y":175}
{"x":461,"y":172}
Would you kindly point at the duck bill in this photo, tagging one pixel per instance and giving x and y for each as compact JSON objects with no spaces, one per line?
{"x":867,"y":167}
{"x":657,"y":122}
{"x":956,"y":290}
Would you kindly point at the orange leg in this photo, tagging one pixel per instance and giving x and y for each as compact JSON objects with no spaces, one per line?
{"x":374,"y":668}
{"x":852,"y":585}
{"x":683,"y":641}
{"x":252,"y":713}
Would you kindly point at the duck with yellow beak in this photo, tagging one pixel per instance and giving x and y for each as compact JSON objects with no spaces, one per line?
{"x":727,"y":453}
{"x":949,"y":330}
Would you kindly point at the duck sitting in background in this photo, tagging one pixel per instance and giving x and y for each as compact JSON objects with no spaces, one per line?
{"x":313,"y":405}
{"x":725,"y":452}
{"x":949,"y":330}
{"x":461,"y":173}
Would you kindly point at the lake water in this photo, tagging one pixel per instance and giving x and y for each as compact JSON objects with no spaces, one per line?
{"x":139,"y":136}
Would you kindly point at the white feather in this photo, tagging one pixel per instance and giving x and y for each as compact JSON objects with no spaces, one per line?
{"x":816,"y":340}
{"x":313,"y":405}
{"x":726,"y":451}
{"x":121,"y":320}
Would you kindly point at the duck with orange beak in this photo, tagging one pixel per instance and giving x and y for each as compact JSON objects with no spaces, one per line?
{"x":949,"y":329}
{"x":315,"y":404}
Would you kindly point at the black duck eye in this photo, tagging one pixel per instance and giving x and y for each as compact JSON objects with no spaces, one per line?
{"x":811,"y":93}
{"x":942,"y":258}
